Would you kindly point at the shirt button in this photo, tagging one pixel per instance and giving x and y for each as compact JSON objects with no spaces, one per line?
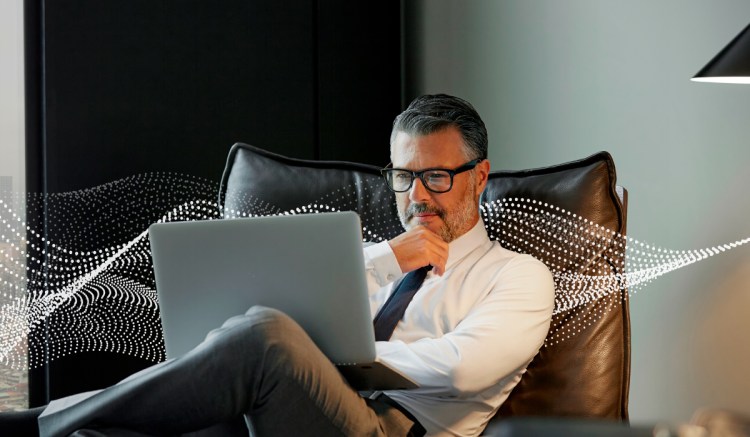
{"x":390,"y":277}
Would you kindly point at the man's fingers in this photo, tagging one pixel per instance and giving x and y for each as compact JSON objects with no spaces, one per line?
{"x":438,"y":258}
{"x":420,"y":247}
{"x":435,"y":251}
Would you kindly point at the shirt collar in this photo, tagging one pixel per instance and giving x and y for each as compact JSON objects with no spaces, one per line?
{"x":466,"y":243}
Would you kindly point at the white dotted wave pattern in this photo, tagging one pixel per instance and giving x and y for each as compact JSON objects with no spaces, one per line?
{"x":88,"y":285}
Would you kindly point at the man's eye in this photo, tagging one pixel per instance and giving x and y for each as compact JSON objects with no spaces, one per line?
{"x":402,"y":176}
{"x":436,"y":176}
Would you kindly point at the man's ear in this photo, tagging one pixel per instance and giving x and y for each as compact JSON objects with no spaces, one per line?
{"x":483,"y":171}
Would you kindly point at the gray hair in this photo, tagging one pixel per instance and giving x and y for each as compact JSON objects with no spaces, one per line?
{"x":432,"y":113}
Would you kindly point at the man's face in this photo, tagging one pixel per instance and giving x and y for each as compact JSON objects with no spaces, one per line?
{"x":449,"y":214}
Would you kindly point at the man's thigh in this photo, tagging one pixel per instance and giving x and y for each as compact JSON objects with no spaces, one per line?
{"x":308,"y":395}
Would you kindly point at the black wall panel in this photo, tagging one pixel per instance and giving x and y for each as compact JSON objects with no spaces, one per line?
{"x":360,"y":67}
{"x":121,"y":87}
{"x":170,"y":85}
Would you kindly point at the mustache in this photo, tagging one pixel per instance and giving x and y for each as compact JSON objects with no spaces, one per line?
{"x":421,"y":208}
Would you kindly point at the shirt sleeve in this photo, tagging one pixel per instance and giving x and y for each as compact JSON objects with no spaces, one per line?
{"x":498,"y":337}
{"x":381,"y":266}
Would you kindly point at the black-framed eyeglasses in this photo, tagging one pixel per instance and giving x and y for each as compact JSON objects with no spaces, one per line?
{"x":437,"y":180}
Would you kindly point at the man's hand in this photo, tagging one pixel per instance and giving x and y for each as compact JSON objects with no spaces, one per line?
{"x":419,"y":247}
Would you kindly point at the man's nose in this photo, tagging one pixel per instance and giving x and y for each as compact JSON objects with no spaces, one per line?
{"x":418,"y":192}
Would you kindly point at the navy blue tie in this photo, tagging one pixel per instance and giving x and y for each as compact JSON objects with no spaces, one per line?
{"x":395,"y":307}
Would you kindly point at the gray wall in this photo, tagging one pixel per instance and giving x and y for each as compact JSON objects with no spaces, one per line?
{"x":12,"y":93}
{"x":559,"y":80}
{"x":12,"y":169}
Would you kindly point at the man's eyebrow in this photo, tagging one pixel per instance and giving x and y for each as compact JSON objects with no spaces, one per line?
{"x":431,"y":167}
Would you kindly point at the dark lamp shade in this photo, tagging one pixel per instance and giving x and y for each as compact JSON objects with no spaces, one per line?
{"x":731,"y":65}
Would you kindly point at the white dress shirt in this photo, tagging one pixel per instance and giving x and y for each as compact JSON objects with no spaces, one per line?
{"x":467,"y":336}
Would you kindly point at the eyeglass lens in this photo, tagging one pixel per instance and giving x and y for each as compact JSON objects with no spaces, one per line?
{"x":435,"y":180}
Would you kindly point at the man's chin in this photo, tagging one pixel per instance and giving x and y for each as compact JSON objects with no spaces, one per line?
{"x":433,"y":223}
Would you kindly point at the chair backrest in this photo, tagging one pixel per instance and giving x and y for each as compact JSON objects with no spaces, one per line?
{"x":583,"y":370}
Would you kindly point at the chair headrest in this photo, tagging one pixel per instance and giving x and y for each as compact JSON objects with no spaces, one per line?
{"x":257,"y":182}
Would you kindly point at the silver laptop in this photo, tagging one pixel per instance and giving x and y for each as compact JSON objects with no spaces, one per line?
{"x":309,"y":266}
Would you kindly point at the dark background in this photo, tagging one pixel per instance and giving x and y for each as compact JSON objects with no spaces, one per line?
{"x":122,"y":87}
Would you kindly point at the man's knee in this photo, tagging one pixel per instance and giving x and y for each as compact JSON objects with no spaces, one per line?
{"x":268,"y":321}
{"x":258,"y":326}
{"x":270,"y":325}
{"x":266,"y":314}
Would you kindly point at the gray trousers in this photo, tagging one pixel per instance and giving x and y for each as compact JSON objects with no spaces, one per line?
{"x":260,"y":365}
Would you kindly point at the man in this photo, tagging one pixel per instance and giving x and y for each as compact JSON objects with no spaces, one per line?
{"x":466,"y":337}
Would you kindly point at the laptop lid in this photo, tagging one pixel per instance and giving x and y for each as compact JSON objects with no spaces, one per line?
{"x":309,"y":266}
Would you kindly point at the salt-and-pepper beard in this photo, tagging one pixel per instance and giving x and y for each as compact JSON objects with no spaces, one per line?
{"x":455,"y":223}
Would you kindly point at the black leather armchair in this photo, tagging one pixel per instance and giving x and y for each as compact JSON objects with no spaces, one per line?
{"x":583,"y":370}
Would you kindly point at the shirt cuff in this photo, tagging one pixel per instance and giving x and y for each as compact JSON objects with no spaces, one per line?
{"x":382,"y":262}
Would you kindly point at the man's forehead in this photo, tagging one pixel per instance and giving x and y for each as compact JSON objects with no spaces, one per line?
{"x":442,"y":147}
